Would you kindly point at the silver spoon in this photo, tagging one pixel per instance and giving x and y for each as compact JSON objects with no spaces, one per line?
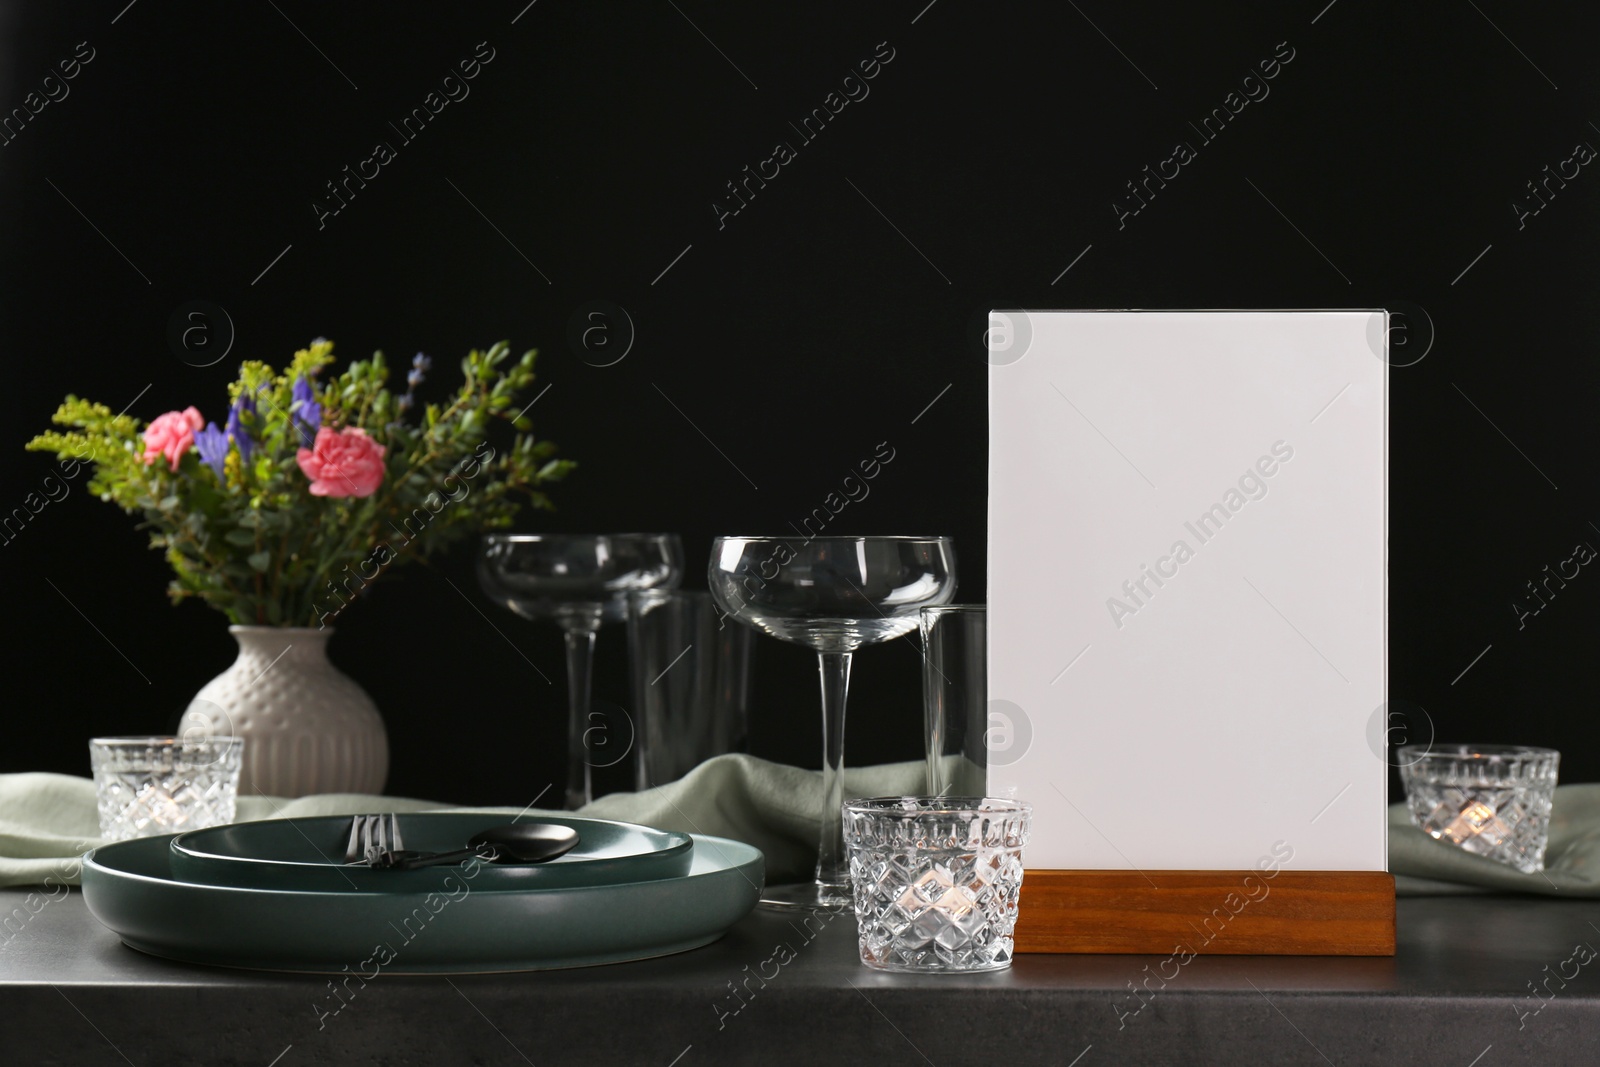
{"x":529,"y":842}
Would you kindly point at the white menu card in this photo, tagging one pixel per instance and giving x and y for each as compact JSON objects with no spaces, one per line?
{"x":1187,"y":583}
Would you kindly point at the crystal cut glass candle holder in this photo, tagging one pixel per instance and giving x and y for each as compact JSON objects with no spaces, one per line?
{"x":1492,"y":800}
{"x":936,"y":880}
{"x":164,"y":785}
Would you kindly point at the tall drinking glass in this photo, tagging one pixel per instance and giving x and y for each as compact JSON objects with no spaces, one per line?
{"x":577,"y":581}
{"x":955,"y":700}
{"x":833,"y":595}
{"x":691,"y":683}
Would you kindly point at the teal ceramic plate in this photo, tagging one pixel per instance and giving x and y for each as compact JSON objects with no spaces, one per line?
{"x":452,"y":928}
{"x":308,"y":855}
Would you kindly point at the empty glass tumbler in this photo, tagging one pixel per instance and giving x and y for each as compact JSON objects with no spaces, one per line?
{"x":691,"y":682}
{"x":955,"y":699}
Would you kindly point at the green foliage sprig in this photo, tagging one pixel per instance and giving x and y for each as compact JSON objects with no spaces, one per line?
{"x":315,"y":481}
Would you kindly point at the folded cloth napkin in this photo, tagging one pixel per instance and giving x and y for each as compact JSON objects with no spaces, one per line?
{"x":48,"y":820}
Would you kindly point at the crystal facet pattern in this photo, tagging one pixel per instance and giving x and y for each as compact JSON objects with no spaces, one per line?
{"x":164,"y":785}
{"x":1491,"y":800}
{"x":936,"y":880}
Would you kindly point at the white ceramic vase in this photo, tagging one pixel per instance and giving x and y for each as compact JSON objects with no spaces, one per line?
{"x":307,"y":727}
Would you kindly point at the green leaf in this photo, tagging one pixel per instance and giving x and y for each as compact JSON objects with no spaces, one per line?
{"x":259,"y":561}
{"x":240,"y":537}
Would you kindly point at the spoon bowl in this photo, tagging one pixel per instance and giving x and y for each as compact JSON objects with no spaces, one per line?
{"x":529,"y":842}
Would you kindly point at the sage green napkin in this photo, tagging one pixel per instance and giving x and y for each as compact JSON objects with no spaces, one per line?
{"x":48,"y":820}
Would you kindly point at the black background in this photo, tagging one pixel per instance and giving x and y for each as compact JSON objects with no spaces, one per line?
{"x":821,"y":320}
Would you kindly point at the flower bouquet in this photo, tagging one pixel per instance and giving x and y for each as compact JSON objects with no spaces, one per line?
{"x":314,"y":485}
{"x":309,"y":490}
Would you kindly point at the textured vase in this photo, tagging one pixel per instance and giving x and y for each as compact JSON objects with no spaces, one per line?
{"x":307,"y":727}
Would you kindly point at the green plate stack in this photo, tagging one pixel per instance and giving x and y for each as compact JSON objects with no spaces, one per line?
{"x":275,"y":895}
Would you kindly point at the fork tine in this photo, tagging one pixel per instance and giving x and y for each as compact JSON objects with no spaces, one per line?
{"x":355,"y":850}
{"x":374,"y":840}
{"x":369,"y":831}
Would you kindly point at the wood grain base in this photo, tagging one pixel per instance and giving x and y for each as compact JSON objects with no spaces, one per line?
{"x":1289,"y":913}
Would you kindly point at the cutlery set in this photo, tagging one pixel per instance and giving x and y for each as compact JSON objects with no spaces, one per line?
{"x":375,"y":842}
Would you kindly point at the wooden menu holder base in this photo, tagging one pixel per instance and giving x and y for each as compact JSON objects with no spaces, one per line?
{"x":1289,"y":913}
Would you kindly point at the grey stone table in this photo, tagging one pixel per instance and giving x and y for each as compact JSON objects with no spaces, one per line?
{"x":783,"y":991}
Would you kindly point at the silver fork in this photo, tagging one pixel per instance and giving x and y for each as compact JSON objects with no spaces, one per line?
{"x":374,"y":840}
{"x":383,"y":842}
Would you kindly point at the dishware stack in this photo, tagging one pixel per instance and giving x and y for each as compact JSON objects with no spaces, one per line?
{"x":343,"y":894}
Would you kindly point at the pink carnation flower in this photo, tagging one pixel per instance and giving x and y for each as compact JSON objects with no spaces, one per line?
{"x":171,"y":435}
{"x":343,"y":463}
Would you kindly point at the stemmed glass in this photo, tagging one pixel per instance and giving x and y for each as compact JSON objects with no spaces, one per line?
{"x":578,"y":581}
{"x":831,"y":594}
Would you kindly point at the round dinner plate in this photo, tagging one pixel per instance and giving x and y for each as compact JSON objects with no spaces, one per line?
{"x":308,"y":855}
{"x":452,"y":928}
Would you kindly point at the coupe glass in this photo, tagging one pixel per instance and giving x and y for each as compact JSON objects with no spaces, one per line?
{"x":578,"y":581}
{"x":833,"y":595}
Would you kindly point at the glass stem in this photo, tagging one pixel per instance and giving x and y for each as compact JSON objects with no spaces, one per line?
{"x":580,"y":675}
{"x":832,"y":869}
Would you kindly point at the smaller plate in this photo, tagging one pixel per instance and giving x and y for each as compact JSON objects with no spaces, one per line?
{"x":307,"y":855}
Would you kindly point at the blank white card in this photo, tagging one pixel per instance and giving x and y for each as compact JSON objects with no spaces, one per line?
{"x":1187,"y":564}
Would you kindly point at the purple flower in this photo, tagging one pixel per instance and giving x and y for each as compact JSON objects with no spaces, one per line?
{"x":420,"y":366}
{"x":212,"y":444}
{"x":304,"y":409}
{"x":236,"y":428}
